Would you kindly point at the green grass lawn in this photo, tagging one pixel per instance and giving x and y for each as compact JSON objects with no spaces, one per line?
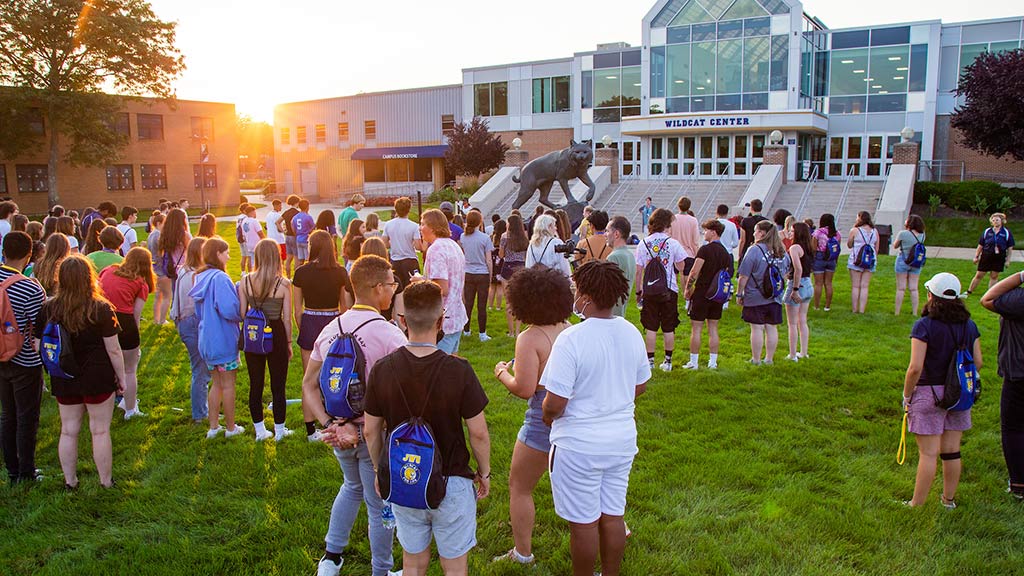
{"x":775,"y":470}
{"x":961,"y":232}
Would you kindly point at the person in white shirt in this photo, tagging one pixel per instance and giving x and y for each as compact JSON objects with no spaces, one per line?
{"x":542,"y":246}
{"x":7,"y":211}
{"x":660,"y":312}
{"x":402,"y":237}
{"x":595,"y":371}
{"x":252,"y":231}
{"x":273,"y":232}
{"x":731,"y":237}
{"x":129,"y":214}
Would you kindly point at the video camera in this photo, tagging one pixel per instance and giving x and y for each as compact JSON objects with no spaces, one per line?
{"x":568,"y":249}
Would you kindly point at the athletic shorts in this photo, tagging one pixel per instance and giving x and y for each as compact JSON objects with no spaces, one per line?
{"x":452,"y":525}
{"x":585,"y":486}
{"x":927,"y":419}
{"x":770,"y":313}
{"x":661,"y":313}
{"x":688,"y":265}
{"x":87,"y":399}
{"x":128,"y":337}
{"x":992,"y":262}
{"x":228,"y":367}
{"x":702,"y":309}
{"x":302,"y":250}
{"x":311,"y":324}
{"x":290,"y":248}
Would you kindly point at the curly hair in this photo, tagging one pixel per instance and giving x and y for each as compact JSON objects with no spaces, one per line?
{"x":601,"y":281}
{"x":946,"y":311}
{"x":539,"y":296}
{"x":660,"y":220}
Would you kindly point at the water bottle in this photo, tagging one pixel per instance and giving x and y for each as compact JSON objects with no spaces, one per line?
{"x":387,"y":517}
{"x":8,"y":328}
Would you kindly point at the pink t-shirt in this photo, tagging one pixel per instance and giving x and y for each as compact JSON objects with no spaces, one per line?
{"x":445,"y":261}
{"x":251,"y":229}
{"x":686,"y":230}
{"x":820,"y":235}
{"x":377,"y":339}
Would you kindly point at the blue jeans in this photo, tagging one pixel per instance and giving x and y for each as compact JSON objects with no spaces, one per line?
{"x":358,"y":488}
{"x":450,"y":343}
{"x":188,"y":330}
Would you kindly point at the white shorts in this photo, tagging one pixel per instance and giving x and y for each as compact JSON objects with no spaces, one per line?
{"x":452,"y":525}
{"x":585,"y":486}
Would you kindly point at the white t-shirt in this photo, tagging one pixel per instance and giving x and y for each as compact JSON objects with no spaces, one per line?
{"x":377,"y":339}
{"x":131,"y":237}
{"x":731,"y":237}
{"x":272,"y":232}
{"x":73,"y":242}
{"x":401,"y":232}
{"x":673,"y":253}
{"x":597,"y":365}
{"x":5,"y":227}
{"x":545,"y":254}
{"x":251,"y":229}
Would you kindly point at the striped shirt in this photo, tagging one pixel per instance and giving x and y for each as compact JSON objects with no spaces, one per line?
{"x":26,"y":298}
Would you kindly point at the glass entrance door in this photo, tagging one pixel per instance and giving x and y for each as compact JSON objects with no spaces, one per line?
{"x":707,"y":157}
{"x":863,"y":157}
{"x":630,"y":164}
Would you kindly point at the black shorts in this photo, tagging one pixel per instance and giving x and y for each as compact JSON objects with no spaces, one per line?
{"x":770,"y":313}
{"x":992,"y":262}
{"x":661,"y":313}
{"x":404,"y":270}
{"x":128,"y":338}
{"x":702,"y":309}
{"x":688,"y":265}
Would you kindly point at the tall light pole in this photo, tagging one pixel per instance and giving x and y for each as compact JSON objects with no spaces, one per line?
{"x":204,"y":157}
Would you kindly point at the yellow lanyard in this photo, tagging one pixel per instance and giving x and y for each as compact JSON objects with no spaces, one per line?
{"x":365,"y":307}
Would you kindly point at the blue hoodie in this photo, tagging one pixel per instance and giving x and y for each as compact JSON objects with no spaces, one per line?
{"x":217,"y":308}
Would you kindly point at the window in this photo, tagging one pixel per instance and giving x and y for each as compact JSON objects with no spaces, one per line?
{"x":422,"y":170}
{"x":286,"y":136}
{"x":300,"y":134}
{"x":119,"y":177}
{"x":447,"y":124}
{"x":320,"y":133}
{"x":202,"y":128}
{"x":36,"y":123}
{"x":780,"y":63}
{"x":370,"y":129}
{"x":373,"y":171}
{"x":149,"y":126}
{"x":3,"y":179}
{"x":122,"y":124}
{"x":32,"y":177}
{"x":490,"y":99}
{"x":153,"y":176}
{"x":587,"y":98}
{"x":209,"y":176}
{"x":658,"y":71}
{"x":342,"y":131}
{"x":551,"y":94}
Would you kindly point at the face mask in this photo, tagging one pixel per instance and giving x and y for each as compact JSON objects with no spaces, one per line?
{"x":579,"y":313}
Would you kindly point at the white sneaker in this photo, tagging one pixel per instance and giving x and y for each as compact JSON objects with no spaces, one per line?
{"x":514,"y":556}
{"x":390,"y":573}
{"x":793,"y":358}
{"x":278,"y":436}
{"x":262,"y":435}
{"x":801,"y":355}
{"x":484,"y":337}
{"x":238,"y":430}
{"x":712,"y":365}
{"x":827,"y":309}
{"x":212,"y":432}
{"x":466,"y":333}
{"x":690,"y":366}
{"x":665,"y":366}
{"x":328,"y":568}
{"x":314,"y":437}
{"x":129,"y":414}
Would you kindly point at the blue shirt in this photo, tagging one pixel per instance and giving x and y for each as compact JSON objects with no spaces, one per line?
{"x":303,"y":226}
{"x":645,"y":212}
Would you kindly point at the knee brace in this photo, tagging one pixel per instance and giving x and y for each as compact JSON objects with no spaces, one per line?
{"x":950,"y":456}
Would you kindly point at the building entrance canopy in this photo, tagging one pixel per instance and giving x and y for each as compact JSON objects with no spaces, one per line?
{"x":400,"y":152}
{"x":806,"y":121}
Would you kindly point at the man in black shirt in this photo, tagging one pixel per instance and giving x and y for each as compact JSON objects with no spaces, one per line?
{"x":711,"y":258}
{"x":420,"y":379}
{"x":284,"y":224}
{"x":747,"y":226}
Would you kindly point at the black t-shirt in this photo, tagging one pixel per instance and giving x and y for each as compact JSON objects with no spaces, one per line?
{"x":943,"y":340}
{"x":97,"y":373}
{"x":1010,"y":307}
{"x":287,"y":217}
{"x":747,"y":224}
{"x":715,"y":257}
{"x":456,"y":395}
{"x":321,"y":287}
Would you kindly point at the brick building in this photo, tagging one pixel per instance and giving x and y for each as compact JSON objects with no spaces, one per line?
{"x":162,"y":159}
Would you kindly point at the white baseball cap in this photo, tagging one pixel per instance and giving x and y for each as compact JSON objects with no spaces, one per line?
{"x":944,"y":285}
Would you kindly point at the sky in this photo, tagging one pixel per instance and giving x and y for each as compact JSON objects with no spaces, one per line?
{"x":258,"y":53}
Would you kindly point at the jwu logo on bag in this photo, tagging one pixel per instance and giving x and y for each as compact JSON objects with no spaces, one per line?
{"x":411,"y":469}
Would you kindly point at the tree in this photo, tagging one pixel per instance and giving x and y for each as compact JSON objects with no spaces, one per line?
{"x":991,"y":119}
{"x":473,"y":149}
{"x":57,"y":57}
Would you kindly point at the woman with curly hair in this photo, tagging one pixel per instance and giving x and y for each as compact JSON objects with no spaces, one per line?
{"x":126,"y":286}
{"x":540,"y":297}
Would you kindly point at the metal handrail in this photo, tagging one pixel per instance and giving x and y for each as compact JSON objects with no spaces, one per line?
{"x":846,"y":191}
{"x":624,"y":183}
{"x":718,"y":185}
{"x":938,"y":169}
{"x":802,"y":205}
{"x":689,"y":182}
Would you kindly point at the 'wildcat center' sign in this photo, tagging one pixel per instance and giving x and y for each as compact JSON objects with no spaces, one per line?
{"x":698,"y":122}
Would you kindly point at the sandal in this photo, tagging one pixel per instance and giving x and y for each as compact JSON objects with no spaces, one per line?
{"x":948,"y":503}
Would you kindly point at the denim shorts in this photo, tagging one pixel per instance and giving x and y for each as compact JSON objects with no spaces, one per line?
{"x":535,"y":433}
{"x":903,"y":268}
{"x":302,"y":250}
{"x":822,"y":264}
{"x":805,"y":289}
{"x":452,"y":525}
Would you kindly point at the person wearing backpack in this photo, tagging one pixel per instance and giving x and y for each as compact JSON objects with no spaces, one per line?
{"x":1007,"y":300}
{"x":713,"y":258}
{"x":995,"y":248}
{"x":420,"y":391}
{"x":799,"y":291}
{"x":183,"y":312}
{"x":863,"y":244}
{"x":910,"y":243}
{"x":217,"y":307}
{"x":265,"y":301}
{"x":88,"y":347}
{"x":760,"y":290}
{"x":827,"y":242}
{"x":541,"y":250}
{"x":658,"y":258}
{"x":21,"y":369}
{"x":944,"y":328}
{"x":374,"y":283}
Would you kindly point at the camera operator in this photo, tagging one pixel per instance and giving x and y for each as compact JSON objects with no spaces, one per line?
{"x":542,"y":248}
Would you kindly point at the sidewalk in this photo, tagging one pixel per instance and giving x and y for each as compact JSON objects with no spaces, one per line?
{"x":965,"y":253}
{"x":314,"y":210}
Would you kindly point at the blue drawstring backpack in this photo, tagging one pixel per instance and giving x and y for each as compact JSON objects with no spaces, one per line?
{"x":343,"y":374}
{"x":257,"y":335}
{"x":963,"y":383}
{"x":832,"y":249}
{"x":866,"y":255}
{"x":720,"y":289}
{"x":56,"y":352}
{"x":410,"y":472}
{"x":917,"y":255}
{"x":772,"y":283}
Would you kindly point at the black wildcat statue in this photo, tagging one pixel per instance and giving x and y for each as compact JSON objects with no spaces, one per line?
{"x":560,"y":166}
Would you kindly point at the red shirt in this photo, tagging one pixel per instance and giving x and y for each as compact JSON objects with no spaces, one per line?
{"x":121,"y":291}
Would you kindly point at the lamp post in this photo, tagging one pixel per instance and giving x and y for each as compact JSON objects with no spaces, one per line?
{"x":204,"y":157}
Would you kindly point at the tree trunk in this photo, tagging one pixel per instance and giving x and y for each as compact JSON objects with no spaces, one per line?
{"x":51,"y":173}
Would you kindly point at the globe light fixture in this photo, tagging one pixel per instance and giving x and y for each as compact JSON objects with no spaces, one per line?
{"x":517,"y":142}
{"x":907,"y":134}
{"x":775,"y":136}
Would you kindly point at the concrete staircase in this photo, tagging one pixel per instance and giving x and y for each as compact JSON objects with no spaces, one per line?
{"x":627,"y":198}
{"x":600,"y":175}
{"x":825,"y":197}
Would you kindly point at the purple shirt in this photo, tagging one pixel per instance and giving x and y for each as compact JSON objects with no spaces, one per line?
{"x":303,"y":226}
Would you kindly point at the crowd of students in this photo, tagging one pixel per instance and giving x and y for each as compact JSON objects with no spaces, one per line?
{"x":580,"y":380}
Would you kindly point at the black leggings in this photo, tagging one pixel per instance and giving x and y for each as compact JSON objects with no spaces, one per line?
{"x":277,"y":362}
{"x":1011,"y":416}
{"x":476,"y":287}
